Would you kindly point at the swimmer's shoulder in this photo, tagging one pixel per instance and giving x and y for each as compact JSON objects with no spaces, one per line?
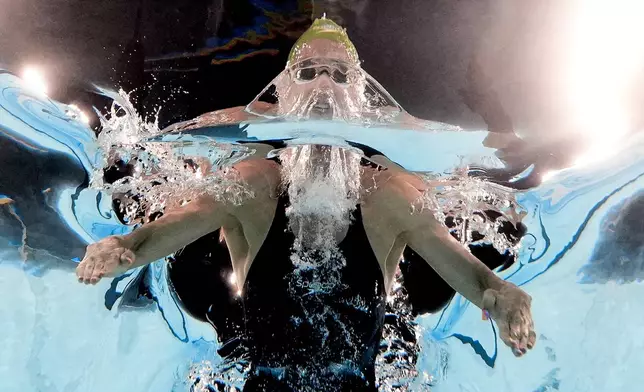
{"x":261,"y":176}
{"x":388,"y":175}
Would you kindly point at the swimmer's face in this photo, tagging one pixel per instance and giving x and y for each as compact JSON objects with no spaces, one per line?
{"x":323,"y":82}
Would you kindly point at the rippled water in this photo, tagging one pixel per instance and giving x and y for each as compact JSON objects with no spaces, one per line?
{"x":581,"y":260}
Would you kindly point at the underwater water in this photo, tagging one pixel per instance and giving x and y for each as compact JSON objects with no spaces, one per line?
{"x":581,"y":261}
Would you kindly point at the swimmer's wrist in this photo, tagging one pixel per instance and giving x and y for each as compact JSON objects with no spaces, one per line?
{"x":134,"y":240}
{"x":491,"y":281}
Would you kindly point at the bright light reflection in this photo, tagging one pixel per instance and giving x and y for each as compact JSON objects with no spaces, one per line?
{"x":35,"y":80}
{"x":548,"y":175}
{"x":601,"y":149}
{"x":605,"y":54}
{"x":81,"y":115}
{"x":232,"y":279}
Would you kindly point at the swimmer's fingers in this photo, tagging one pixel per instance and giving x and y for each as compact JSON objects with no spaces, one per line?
{"x":122,"y":261}
{"x":106,"y":257}
{"x":527,"y":329}
{"x":86,"y":269}
{"x":493,"y":306}
{"x":510,"y":308}
{"x":523,"y":339}
{"x":522,"y":330}
{"x":506,"y":336}
{"x":80,"y":270}
{"x":518,"y":333}
{"x":98,"y":272}
{"x":532,"y":338}
{"x":529,"y":335}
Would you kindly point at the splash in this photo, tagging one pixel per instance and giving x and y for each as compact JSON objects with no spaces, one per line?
{"x":161,"y":174}
{"x":358,"y":98}
{"x":206,"y":376}
{"x":323,"y":187}
{"x":473,"y":210}
{"x":122,"y":125}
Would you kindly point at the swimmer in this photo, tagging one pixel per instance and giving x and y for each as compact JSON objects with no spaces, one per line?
{"x":314,"y":252}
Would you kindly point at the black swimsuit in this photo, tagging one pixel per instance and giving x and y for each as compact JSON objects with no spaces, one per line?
{"x":303,"y":340}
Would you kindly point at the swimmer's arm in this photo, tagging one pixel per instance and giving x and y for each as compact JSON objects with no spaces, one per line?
{"x":458,"y":267}
{"x":176,"y":229}
{"x":432,"y":241}
{"x":505,"y":303}
{"x":114,"y":255}
{"x":201,"y":216}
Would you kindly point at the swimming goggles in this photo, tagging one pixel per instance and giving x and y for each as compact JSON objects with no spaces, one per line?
{"x":308,"y":70}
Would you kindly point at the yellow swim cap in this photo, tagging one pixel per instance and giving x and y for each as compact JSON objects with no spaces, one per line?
{"x":324,"y":29}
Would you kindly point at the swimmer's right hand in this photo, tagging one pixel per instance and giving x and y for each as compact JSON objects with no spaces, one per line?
{"x":510,"y":306}
{"x":108,"y":257}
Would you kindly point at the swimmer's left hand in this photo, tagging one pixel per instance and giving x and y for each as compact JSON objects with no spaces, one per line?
{"x":510,"y":308}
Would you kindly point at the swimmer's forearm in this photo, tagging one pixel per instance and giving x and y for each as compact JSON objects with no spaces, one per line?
{"x":172,"y":232}
{"x":152,"y":242}
{"x":460,"y":269}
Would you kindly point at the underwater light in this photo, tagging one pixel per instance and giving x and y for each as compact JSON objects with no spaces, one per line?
{"x":604,"y":57}
{"x":35,"y":80}
{"x":548,"y":175}
{"x":79,"y":114}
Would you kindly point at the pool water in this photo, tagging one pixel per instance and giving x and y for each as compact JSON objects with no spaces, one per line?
{"x":581,"y":261}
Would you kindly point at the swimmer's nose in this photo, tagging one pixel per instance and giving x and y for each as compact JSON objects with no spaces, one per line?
{"x":324,"y":80}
